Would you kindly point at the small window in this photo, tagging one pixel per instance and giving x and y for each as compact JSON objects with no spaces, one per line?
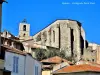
{"x":24,"y":28}
{"x":92,"y":60}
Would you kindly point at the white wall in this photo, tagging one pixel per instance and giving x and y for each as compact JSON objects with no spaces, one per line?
{"x":9,"y":63}
{"x":26,"y":64}
{"x":30,"y":66}
{"x":37,"y":63}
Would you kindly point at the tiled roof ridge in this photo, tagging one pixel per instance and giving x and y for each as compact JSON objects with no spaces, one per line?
{"x":52,"y":59}
{"x":78,"y":68}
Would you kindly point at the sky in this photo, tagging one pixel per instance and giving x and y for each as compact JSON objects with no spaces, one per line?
{"x":41,"y":13}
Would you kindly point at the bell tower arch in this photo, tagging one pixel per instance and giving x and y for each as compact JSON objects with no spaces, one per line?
{"x":24,"y":30}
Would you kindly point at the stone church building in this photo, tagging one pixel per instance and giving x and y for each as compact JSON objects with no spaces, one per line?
{"x":67,"y":35}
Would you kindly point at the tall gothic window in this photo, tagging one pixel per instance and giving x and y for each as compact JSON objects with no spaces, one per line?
{"x":72,"y":41}
{"x":53,"y":36}
{"x":24,"y":28}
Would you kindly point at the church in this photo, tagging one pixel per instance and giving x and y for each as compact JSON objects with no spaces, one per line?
{"x":64,"y":35}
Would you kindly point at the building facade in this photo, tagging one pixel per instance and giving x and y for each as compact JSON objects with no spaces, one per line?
{"x":17,"y":62}
{"x":31,"y":47}
{"x":32,"y":66}
{"x":92,"y":53}
{"x":67,"y":35}
{"x":24,"y":31}
{"x":52,"y":64}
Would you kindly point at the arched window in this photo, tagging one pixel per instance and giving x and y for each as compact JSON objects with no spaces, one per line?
{"x":24,"y":28}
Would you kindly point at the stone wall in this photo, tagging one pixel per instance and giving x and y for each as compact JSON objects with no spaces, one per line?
{"x":90,"y":55}
{"x":24,"y":34}
{"x":65,"y":35}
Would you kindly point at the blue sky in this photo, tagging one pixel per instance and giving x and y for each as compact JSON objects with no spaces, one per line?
{"x":41,"y":13}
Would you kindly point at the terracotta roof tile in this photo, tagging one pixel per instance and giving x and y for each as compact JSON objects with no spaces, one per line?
{"x":56,"y":60}
{"x":78,"y":68}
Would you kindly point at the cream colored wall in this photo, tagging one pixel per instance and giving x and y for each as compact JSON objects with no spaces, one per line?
{"x":98,"y":55}
{"x":46,"y":72}
{"x":27,"y":32}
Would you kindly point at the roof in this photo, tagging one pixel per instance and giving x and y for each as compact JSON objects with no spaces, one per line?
{"x":78,"y":68}
{"x":12,"y":36}
{"x":13,"y":50}
{"x":55,"y":21}
{"x":56,"y":60}
{"x":16,"y":41}
{"x":11,"y":39}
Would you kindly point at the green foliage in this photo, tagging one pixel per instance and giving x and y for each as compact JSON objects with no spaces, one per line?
{"x":40,"y":54}
{"x":44,"y":54}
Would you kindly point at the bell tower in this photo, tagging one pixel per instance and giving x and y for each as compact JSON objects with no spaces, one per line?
{"x":24,"y":30}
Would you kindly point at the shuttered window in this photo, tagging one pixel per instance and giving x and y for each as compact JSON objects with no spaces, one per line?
{"x":15,"y":64}
{"x":36,"y":70}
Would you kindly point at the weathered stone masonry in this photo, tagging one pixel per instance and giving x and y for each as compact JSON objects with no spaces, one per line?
{"x":67,"y":35}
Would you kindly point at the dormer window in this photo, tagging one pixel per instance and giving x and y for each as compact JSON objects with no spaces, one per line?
{"x":24,"y":28}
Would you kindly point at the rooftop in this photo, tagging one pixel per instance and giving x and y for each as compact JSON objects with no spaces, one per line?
{"x":78,"y":68}
{"x":13,"y":50}
{"x":56,"y":60}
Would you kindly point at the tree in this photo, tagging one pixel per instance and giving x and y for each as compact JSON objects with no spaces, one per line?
{"x":40,"y":54}
{"x":44,"y":54}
